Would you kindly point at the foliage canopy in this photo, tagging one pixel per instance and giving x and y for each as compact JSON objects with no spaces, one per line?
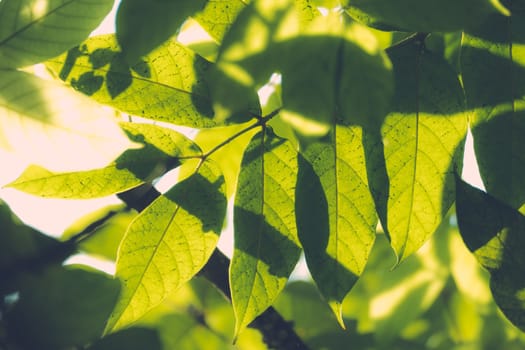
{"x":353,"y":160}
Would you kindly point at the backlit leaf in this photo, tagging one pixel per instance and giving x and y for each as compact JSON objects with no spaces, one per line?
{"x":494,"y":232}
{"x":423,"y":143}
{"x":493,"y":71}
{"x":160,"y":151}
{"x":168,"y":243}
{"x":32,"y":31}
{"x":55,"y":127}
{"x":336,"y":215}
{"x":423,"y":16}
{"x":143,"y":25}
{"x":168,"y":85}
{"x":266,"y":243}
{"x":218,"y":15}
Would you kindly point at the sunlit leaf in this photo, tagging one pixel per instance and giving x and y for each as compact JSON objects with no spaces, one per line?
{"x":266,"y":242}
{"x":423,"y":143}
{"x":423,"y":16}
{"x":62,"y":307}
{"x":160,"y":151}
{"x":336,"y":215}
{"x":492,"y":64}
{"x":167,"y":85}
{"x":56,"y":127}
{"x":168,"y":243}
{"x":32,"y":31}
{"x":494,"y":232}
{"x":143,"y":25}
{"x":218,"y":16}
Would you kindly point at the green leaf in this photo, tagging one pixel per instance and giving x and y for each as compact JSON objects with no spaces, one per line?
{"x":84,"y":298}
{"x":168,"y":243}
{"x":423,"y":16}
{"x":494,"y":232}
{"x":266,"y":243}
{"x":492,"y":63}
{"x":55,"y":127}
{"x":218,"y":15}
{"x":423,"y":143}
{"x":135,"y":338}
{"x":142,"y":25}
{"x":336,"y":215}
{"x":168,"y":85}
{"x":160,"y":151}
{"x":32,"y":31}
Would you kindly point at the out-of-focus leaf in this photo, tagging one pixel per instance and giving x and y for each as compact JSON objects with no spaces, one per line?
{"x":142,"y":25}
{"x":423,"y":143}
{"x":336,"y":215}
{"x":135,"y":338}
{"x":494,"y":232}
{"x":62,"y":307}
{"x":423,"y":16}
{"x":179,"y":331}
{"x":160,"y":151}
{"x":167,"y":85}
{"x":105,"y":238}
{"x":168,"y":243}
{"x":492,"y":65}
{"x":32,"y":31}
{"x":266,"y":243}
{"x":55,"y":127}
{"x":21,"y":244}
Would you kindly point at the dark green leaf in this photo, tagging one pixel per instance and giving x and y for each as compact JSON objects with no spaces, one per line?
{"x":142,"y":25}
{"x":423,"y":143}
{"x":167,"y":85}
{"x":168,"y":243}
{"x":266,"y":243}
{"x":336,"y":215}
{"x":423,"y":16}
{"x":160,"y":151}
{"x":492,"y":64}
{"x":495,"y":233}
{"x":62,"y":307}
{"x":32,"y":31}
{"x":135,"y":338}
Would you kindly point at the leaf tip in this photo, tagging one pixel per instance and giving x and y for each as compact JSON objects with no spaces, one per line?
{"x":337,"y":309}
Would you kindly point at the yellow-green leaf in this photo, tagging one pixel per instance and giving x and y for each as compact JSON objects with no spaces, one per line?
{"x":336,"y":215}
{"x":168,"y":85}
{"x":168,"y":243}
{"x":160,"y":152}
{"x":423,"y":143}
{"x":266,"y":243}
